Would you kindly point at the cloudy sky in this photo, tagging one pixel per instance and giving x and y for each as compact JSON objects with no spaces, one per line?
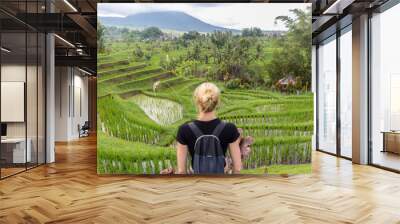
{"x":229,"y":15}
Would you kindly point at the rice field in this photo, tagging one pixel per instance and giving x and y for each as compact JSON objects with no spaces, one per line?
{"x":162,"y":111}
{"x":141,"y":106}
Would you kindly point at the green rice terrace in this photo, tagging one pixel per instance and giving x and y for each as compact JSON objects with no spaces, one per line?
{"x":141,"y":105}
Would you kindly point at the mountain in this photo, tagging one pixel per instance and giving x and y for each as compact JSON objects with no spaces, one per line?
{"x":170,"y":20}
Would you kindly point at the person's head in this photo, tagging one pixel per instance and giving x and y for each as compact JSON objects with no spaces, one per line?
{"x":206,"y":97}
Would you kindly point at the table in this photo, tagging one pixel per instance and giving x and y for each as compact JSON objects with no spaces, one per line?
{"x":391,"y":141}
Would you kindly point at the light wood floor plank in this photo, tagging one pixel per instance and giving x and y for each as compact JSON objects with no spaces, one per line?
{"x":70,"y":191}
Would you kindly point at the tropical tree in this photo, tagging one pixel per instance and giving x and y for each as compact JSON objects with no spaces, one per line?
{"x":194,"y":52}
{"x":259,"y":51}
{"x":218,"y":40}
{"x":252,"y":32}
{"x":292,"y":57}
{"x":100,"y":37}
{"x":151,"y":33}
{"x":191,"y":35}
{"x":138,"y":52}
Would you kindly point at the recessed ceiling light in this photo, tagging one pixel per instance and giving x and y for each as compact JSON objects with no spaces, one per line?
{"x":5,"y":50}
{"x":70,"y":5}
{"x":337,"y":7}
{"x":86,"y":72}
{"x":64,"y":40}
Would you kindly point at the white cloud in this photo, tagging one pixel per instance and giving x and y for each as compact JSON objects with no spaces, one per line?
{"x":230,"y":15}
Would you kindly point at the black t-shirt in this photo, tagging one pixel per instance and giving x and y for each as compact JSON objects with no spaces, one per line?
{"x":186,"y":136}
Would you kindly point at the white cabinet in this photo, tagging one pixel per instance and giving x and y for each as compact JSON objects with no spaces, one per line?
{"x":19,"y":155}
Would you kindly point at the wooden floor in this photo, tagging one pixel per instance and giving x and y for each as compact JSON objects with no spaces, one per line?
{"x":5,"y":172}
{"x":70,"y":191}
{"x":386,"y":159}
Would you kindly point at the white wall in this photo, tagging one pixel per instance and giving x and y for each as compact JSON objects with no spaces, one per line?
{"x":80,"y":89}
{"x":33,"y":126}
{"x":62,"y":81}
{"x":71,"y":94}
{"x":12,"y":73}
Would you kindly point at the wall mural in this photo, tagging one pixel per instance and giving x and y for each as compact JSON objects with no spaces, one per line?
{"x":204,"y":88}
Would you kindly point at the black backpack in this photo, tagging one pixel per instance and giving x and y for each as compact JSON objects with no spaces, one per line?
{"x":208,"y":156}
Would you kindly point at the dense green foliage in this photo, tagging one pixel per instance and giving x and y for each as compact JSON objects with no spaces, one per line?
{"x":281,"y":169}
{"x":120,"y":156}
{"x":293,"y":57}
{"x":151,"y":33}
{"x":100,"y":37}
{"x":249,"y":59}
{"x":252,"y":32}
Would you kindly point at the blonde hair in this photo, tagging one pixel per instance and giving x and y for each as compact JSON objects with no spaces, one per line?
{"x":206,"y":96}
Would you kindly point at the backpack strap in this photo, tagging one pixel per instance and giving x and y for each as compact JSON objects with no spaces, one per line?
{"x":217,"y":131}
{"x":197,"y":132}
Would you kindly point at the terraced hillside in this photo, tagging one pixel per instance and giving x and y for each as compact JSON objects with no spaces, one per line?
{"x":141,"y":105}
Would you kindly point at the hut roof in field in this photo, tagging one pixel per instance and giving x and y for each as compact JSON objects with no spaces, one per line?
{"x":287,"y":80}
